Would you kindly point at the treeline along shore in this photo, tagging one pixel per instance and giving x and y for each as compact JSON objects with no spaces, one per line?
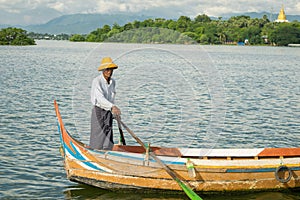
{"x":15,"y":36}
{"x":200,"y":30}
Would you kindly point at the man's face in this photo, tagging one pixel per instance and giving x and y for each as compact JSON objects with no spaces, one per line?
{"x":107,"y":73}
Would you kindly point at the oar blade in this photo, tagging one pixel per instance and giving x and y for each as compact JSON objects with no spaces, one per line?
{"x":188,"y":191}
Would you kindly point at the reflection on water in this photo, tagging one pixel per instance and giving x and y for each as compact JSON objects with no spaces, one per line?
{"x":86,"y":192}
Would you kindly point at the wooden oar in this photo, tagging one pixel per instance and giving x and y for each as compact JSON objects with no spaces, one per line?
{"x":122,"y":139}
{"x":188,"y":191}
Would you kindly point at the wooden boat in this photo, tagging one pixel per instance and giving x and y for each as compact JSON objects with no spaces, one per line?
{"x":212,"y":170}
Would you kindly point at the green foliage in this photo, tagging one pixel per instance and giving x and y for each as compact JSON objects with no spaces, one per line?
{"x":77,"y":38}
{"x":151,"y":35}
{"x":286,"y":33}
{"x":15,"y":36}
{"x":202,"y":18}
{"x":204,"y":39}
{"x":201,"y":30}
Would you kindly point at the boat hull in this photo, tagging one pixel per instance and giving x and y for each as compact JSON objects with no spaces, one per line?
{"x":216,"y":170}
{"x":210,"y":180}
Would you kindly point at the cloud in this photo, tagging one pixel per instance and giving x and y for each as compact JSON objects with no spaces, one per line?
{"x":59,"y":6}
{"x":166,"y":8}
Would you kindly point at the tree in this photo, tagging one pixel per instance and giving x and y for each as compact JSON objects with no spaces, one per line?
{"x":253,"y":34}
{"x":159,"y":22}
{"x":166,"y":23}
{"x":15,"y":36}
{"x":191,"y":35}
{"x":265,"y":20}
{"x":202,"y":18}
{"x":99,"y":35}
{"x":128,"y":27}
{"x":91,"y":38}
{"x":183,"y":23}
{"x":116,"y":26}
{"x":285,"y":33}
{"x":136,"y":24}
{"x":147,"y":23}
{"x":210,"y":30}
{"x":106,"y":29}
{"x":240,"y":21}
{"x":172,"y":25}
{"x":113,"y":32}
{"x":77,"y":38}
{"x":204,"y":39}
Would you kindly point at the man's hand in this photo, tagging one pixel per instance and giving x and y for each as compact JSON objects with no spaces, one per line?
{"x":115,"y":110}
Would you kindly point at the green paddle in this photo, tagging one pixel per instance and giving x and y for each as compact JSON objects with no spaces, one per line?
{"x":122,"y":139}
{"x":188,"y":191}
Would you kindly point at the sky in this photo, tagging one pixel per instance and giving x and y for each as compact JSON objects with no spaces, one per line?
{"x":25,"y":12}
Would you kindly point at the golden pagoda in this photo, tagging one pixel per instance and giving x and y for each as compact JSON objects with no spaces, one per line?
{"x":281,"y":16}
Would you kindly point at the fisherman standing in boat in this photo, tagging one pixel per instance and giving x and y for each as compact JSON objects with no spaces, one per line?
{"x":103,"y":97}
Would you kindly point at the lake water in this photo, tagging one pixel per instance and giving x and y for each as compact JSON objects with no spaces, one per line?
{"x":170,"y":95}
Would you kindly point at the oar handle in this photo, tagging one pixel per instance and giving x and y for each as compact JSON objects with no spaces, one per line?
{"x":132,"y":134}
{"x":122,"y":139}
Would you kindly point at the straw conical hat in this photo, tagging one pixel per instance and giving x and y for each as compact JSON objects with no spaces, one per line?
{"x":107,"y":63}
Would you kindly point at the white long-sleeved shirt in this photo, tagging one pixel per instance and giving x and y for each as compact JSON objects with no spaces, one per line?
{"x":102,"y":93}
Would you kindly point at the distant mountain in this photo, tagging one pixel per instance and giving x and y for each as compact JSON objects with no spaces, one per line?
{"x":26,"y":17}
{"x":82,"y":23}
{"x":4,"y":26}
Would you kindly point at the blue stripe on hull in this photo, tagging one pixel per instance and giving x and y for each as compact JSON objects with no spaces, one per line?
{"x":77,"y":155}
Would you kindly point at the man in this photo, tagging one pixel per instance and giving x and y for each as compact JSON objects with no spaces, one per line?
{"x":103,"y":97}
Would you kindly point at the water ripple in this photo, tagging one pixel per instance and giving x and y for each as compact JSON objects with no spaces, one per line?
{"x":164,"y":99}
